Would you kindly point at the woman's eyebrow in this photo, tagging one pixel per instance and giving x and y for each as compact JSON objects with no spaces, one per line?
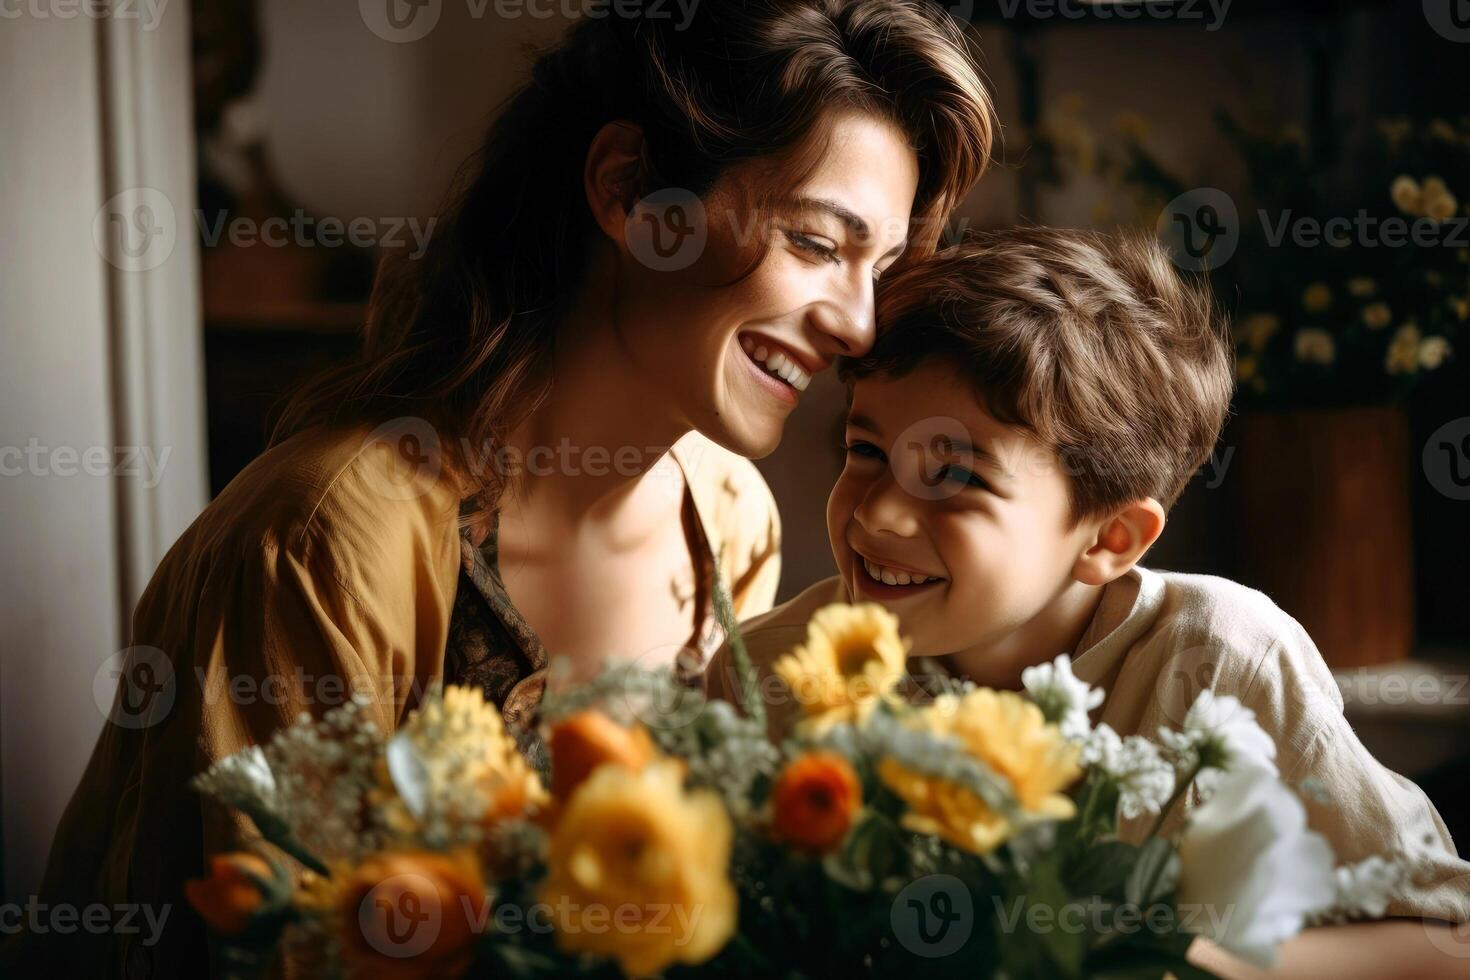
{"x":854,"y":221}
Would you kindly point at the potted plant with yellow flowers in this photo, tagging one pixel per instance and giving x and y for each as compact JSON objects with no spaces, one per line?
{"x":1348,"y":281}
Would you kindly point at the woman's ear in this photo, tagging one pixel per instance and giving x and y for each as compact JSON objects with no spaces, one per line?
{"x":1120,"y":542}
{"x":613,"y":175}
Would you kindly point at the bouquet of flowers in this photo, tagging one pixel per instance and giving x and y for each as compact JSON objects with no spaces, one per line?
{"x":971,"y":833}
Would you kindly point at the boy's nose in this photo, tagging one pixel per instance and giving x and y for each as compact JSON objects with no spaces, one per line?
{"x":888,"y":508}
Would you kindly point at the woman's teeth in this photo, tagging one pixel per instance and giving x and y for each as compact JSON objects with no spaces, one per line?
{"x":889,"y":576}
{"x":777,"y":363}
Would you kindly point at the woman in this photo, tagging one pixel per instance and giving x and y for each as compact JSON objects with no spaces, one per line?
{"x":492,"y":488}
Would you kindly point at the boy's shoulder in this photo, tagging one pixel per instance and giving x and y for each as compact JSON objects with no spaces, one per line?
{"x":1186,"y":632}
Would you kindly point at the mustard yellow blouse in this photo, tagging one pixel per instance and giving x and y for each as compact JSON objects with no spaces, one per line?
{"x":329,"y":566}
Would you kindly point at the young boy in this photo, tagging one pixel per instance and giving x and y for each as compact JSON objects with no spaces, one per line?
{"x":1037,"y":400}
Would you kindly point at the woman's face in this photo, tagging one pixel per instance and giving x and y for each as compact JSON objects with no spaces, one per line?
{"x":732,"y":360}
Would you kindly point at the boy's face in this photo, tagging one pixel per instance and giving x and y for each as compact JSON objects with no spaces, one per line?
{"x":936,"y":488}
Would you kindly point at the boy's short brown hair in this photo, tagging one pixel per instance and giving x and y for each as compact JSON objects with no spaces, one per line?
{"x":1094,"y":343}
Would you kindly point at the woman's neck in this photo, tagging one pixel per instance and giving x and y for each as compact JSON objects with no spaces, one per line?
{"x":596,"y":450}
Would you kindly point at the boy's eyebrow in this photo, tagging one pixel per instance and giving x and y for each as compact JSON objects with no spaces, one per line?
{"x":854,"y":221}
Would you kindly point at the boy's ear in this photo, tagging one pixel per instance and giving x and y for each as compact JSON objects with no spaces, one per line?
{"x":613,"y":174}
{"x":1120,"y":542}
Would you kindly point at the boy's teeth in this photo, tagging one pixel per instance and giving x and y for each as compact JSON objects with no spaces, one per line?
{"x":889,"y":576}
{"x":777,"y":363}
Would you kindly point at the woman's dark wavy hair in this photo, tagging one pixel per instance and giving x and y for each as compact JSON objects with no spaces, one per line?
{"x":462,"y":337}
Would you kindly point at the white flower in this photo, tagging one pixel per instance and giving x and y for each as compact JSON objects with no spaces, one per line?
{"x":1062,"y":697}
{"x":1433,"y":352}
{"x":1365,"y":889}
{"x":243,"y":781}
{"x":1315,"y":346}
{"x":1249,"y":862}
{"x":1145,"y":778}
{"x":1221,"y":735}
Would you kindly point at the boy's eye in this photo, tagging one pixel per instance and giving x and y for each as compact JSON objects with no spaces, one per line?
{"x":865,"y":449}
{"x":958,"y":475}
{"x":828,"y":253}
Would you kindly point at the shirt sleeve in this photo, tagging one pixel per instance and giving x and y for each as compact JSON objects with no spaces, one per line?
{"x":238,"y":640}
{"x":1361,"y":806}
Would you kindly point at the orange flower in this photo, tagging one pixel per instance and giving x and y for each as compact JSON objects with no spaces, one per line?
{"x":229,"y":896}
{"x":589,"y":739}
{"x":814,"y":801}
{"x":412,"y":915}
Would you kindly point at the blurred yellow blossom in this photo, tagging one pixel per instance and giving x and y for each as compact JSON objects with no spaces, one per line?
{"x":1315,"y":346}
{"x":1316,"y":297}
{"x":1405,"y":193}
{"x":1377,"y":315}
{"x":1246,"y":368}
{"x":1403,"y":351}
{"x":1258,"y":328}
{"x":1362,"y":286}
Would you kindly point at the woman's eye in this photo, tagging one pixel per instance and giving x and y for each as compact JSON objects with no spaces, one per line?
{"x":811,"y":245}
{"x":865,"y":449}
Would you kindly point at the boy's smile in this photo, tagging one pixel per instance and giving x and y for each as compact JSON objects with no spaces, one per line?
{"x":958,"y":522}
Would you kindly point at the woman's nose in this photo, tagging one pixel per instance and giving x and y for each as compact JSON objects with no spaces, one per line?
{"x":845,"y":323}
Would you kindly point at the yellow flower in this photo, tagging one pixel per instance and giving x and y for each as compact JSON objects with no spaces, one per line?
{"x":1362,"y":286}
{"x":852,"y":657}
{"x":1442,"y":207}
{"x":1315,"y":346}
{"x":1007,"y":733}
{"x":461,"y":741}
{"x":1316,"y":297}
{"x":1405,"y":194}
{"x":1377,"y":315}
{"x":1461,"y":306}
{"x":637,"y":870}
{"x":1246,"y":368}
{"x":1258,"y":328}
{"x":1403,"y":351}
